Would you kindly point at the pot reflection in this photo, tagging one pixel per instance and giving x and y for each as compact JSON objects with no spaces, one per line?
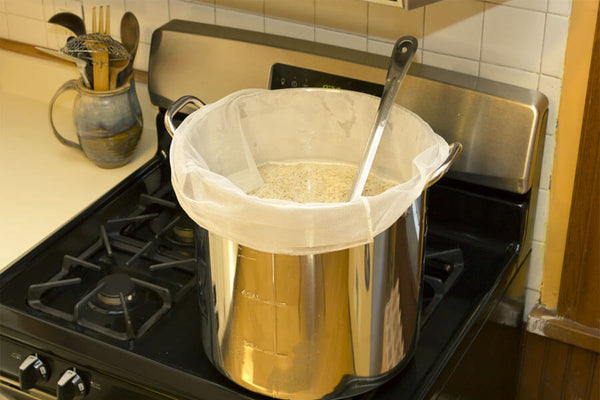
{"x":313,"y":326}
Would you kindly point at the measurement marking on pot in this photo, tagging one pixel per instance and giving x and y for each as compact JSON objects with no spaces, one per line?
{"x":253,"y":346}
{"x":255,"y":296}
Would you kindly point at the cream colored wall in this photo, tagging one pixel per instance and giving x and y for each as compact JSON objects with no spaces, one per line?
{"x":521,"y":42}
{"x":572,"y":103}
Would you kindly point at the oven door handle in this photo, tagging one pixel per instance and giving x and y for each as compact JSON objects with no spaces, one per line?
{"x":176,"y":107}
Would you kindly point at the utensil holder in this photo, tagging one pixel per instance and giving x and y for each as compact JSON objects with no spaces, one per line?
{"x":108,"y":123}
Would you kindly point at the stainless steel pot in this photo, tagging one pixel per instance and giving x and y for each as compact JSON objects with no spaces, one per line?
{"x":313,"y":326}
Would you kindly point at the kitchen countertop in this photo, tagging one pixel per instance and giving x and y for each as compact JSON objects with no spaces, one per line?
{"x":44,"y":183}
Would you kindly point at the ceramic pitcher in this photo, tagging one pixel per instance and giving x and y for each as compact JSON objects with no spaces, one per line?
{"x":108,"y":123}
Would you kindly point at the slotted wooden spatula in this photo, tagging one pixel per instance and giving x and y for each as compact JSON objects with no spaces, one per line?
{"x":100,"y":57}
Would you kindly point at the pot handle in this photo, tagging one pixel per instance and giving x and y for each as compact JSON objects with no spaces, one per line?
{"x":455,"y":149}
{"x":69,"y":85}
{"x":176,"y":107}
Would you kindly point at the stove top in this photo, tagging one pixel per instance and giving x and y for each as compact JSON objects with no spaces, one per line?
{"x":119,"y":301}
{"x":137,"y":269}
{"x":142,"y":265}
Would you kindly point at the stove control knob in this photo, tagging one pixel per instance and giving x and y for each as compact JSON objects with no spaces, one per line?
{"x":32,"y":371}
{"x":70,"y":386}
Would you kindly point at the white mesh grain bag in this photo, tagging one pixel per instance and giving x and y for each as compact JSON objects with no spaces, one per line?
{"x":215,"y":151}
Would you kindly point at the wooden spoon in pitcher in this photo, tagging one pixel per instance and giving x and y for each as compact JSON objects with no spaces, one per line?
{"x":130,"y":37}
{"x":115,"y":68}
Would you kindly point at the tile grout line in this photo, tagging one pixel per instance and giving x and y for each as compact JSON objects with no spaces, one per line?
{"x":423,"y":52}
{"x":423,"y":32}
{"x":519,"y":8}
{"x":314,"y":20}
{"x":481,"y":39}
{"x":482,"y":62}
{"x":46,"y":18}
{"x":543,"y":46}
{"x":6,"y":24}
{"x":367,"y":27}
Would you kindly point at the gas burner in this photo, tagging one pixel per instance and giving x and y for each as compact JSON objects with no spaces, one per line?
{"x":118,"y":306}
{"x":115,"y":292}
{"x":123,"y":317}
{"x":182,"y":233}
{"x":159,"y":225}
{"x":114,"y":287}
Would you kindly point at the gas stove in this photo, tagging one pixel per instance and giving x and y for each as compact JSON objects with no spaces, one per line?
{"x":139,"y":267}
{"x":120,"y":300}
{"x":107,"y":306}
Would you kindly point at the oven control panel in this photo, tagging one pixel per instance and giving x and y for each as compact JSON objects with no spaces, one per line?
{"x":33,"y":370}
{"x":288,"y":76}
{"x":44,"y":375}
{"x":26,"y":369}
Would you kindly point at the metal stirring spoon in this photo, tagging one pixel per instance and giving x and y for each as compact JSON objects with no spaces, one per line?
{"x":402,"y":55}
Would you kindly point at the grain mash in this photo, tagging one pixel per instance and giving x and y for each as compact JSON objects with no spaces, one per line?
{"x":313,"y":182}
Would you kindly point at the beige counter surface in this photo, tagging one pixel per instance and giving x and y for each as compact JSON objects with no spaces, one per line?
{"x":44,"y":184}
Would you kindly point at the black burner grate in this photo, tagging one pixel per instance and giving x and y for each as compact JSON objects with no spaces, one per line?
{"x":441,"y":270}
{"x":123,"y":283}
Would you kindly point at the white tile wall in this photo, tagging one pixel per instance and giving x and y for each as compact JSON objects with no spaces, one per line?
{"x":33,"y":9}
{"x":278,"y":26}
{"x":142,"y":56}
{"x":454,"y":28}
{"x":150,"y":13}
{"x":239,"y":19}
{"x":555,"y":43}
{"x":521,"y":42}
{"x":466,"y":66}
{"x":551,"y":87}
{"x":49,"y":8}
{"x":339,"y":38}
{"x":508,"y":75}
{"x":513,"y":37}
{"x":192,"y":11}
{"x":381,"y":46}
{"x":561,"y":7}
{"x":493,"y":33}
{"x":548,"y":158}
{"x":3,"y":26}
{"x":535,"y":272}
{"x":56,"y":6}
{"x":537,"y":5}
{"x":541,"y":216}
{"x":26,"y":29}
